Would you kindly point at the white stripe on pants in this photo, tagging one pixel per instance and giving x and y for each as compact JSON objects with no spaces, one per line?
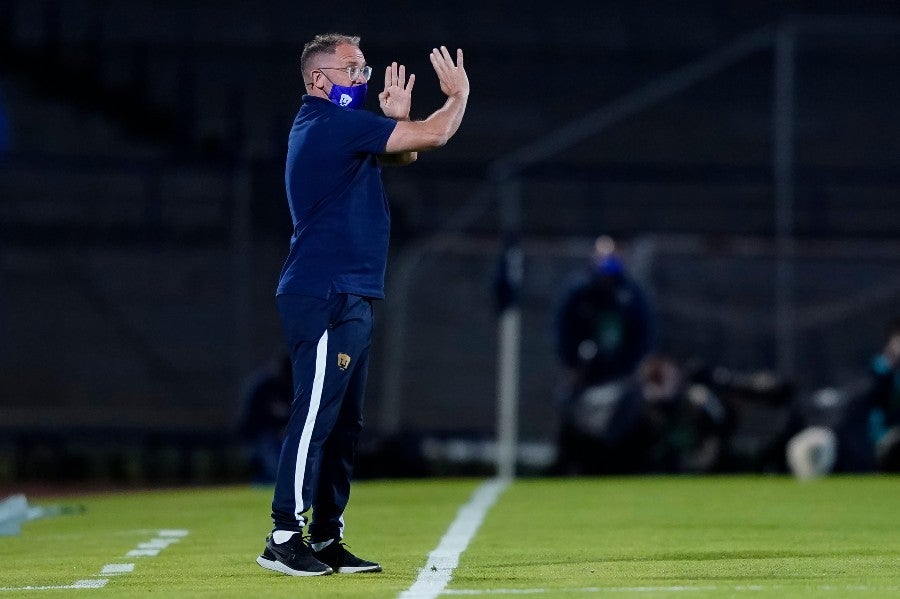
{"x":314,"y":401}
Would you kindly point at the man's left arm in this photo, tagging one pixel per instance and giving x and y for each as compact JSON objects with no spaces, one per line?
{"x":395,"y":101}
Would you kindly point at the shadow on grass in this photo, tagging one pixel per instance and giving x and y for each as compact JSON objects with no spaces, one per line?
{"x":703,"y":556}
{"x":759,"y":554}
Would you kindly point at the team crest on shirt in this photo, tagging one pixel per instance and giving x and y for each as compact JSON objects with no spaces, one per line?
{"x":343,"y":361}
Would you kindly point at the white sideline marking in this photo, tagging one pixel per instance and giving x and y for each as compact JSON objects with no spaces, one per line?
{"x":78,"y":584}
{"x":433,"y":578}
{"x":89,"y":584}
{"x":152,"y":547}
{"x":173,"y":533}
{"x":110,"y":569}
{"x":157,"y":543}
{"x":149,"y":548}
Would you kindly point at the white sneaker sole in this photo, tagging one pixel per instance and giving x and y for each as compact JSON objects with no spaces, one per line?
{"x":277,"y":566}
{"x":354,"y":570}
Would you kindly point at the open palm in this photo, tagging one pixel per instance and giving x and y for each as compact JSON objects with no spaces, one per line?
{"x":396,"y":98}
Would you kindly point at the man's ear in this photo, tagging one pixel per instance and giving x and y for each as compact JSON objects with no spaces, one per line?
{"x":318,"y":80}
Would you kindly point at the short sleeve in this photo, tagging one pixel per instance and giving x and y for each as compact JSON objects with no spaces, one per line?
{"x":366,"y":132}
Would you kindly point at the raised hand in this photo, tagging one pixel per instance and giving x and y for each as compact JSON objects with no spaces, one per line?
{"x":453,"y":78}
{"x":396,"y":98}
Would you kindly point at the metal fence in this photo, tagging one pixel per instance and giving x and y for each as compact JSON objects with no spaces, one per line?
{"x":713,"y":302}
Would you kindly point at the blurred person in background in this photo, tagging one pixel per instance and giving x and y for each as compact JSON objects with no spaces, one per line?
{"x":266,"y":409}
{"x":683,"y":422}
{"x":334,"y":270}
{"x":656,"y":420}
{"x":603,"y":324}
{"x":853,"y":428}
{"x":603,"y":331}
{"x":884,"y":399}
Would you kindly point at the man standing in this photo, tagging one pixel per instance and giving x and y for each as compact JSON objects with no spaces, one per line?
{"x":334,"y":269}
{"x":603,"y":331}
{"x":603,"y":325}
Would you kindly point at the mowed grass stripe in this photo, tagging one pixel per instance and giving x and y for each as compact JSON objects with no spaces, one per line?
{"x":396,"y":522}
{"x":565,"y":537}
{"x":788,"y":538}
{"x":720,"y":591}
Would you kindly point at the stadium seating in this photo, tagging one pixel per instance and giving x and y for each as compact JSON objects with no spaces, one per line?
{"x":138,"y":128}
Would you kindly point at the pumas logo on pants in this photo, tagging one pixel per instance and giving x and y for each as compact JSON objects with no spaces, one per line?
{"x":343,"y":361}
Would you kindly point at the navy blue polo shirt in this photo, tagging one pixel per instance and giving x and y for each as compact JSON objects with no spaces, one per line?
{"x":337,"y":201}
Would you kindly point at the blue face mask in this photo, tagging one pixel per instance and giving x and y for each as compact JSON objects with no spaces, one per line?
{"x":353,"y":96}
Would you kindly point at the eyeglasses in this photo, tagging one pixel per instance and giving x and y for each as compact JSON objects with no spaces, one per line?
{"x":353,"y":72}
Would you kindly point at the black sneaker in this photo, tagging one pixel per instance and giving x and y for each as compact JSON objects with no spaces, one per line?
{"x":335,"y":554}
{"x":293,"y":557}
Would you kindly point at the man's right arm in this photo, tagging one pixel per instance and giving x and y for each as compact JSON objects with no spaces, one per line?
{"x":437,"y":129}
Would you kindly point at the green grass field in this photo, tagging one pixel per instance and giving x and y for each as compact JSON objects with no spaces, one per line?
{"x":592,"y":537}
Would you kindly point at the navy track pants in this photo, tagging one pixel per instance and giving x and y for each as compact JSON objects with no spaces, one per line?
{"x":328,"y":340}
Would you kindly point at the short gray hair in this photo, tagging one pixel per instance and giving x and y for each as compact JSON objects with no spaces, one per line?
{"x":324,"y":43}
